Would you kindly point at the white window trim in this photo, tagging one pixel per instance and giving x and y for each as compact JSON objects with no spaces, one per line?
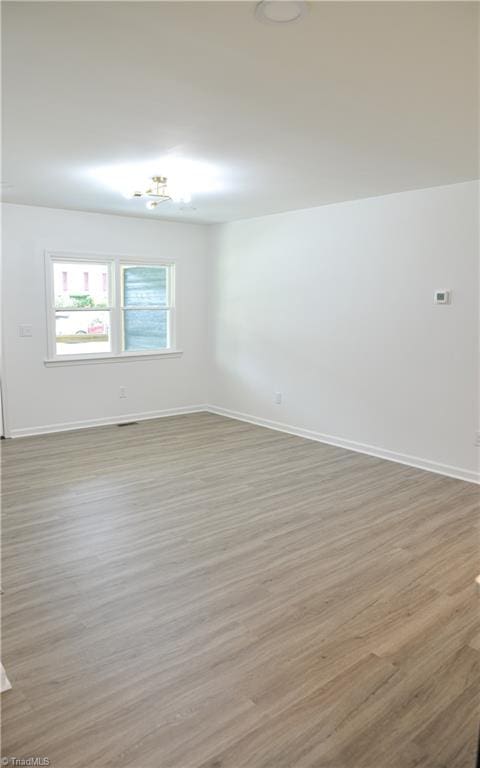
{"x":115,"y":308}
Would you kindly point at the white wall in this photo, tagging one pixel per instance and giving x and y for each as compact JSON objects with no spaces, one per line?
{"x":38,"y":397}
{"x":333,"y":307}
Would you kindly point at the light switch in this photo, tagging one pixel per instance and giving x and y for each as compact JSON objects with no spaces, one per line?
{"x":25,"y":330}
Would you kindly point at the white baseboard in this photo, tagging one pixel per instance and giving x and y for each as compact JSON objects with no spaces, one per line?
{"x":73,"y":425}
{"x":351,"y":445}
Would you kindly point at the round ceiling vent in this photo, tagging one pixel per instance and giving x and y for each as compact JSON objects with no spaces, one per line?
{"x":280,"y":11}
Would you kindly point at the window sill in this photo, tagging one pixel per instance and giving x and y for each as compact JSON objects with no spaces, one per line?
{"x":128,"y":357}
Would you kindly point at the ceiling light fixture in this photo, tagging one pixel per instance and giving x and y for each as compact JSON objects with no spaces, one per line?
{"x":171,"y":179}
{"x":280,"y":11}
{"x":157,"y":191}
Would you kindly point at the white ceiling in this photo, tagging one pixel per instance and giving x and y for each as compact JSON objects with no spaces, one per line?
{"x":357,"y":99}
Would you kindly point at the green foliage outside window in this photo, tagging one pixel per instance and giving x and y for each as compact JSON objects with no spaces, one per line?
{"x":80,"y":300}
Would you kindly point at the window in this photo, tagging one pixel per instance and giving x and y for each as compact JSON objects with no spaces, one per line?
{"x":145,"y":307}
{"x":109,"y":307}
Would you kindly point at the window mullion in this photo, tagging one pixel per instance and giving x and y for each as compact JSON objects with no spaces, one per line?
{"x":117,"y":343}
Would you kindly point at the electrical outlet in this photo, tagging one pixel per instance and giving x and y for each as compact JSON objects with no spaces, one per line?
{"x":25,"y":330}
{"x":123,"y":392}
{"x":277,"y":398}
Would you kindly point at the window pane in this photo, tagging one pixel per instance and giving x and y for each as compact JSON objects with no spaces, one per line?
{"x":78,"y":284}
{"x":145,"y":329}
{"x":82,"y":332}
{"x":145,"y":286}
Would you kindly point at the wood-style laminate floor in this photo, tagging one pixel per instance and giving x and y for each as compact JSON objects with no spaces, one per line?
{"x":196,"y":592}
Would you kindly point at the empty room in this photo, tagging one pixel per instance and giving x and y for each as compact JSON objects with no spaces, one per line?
{"x":239,"y":382}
